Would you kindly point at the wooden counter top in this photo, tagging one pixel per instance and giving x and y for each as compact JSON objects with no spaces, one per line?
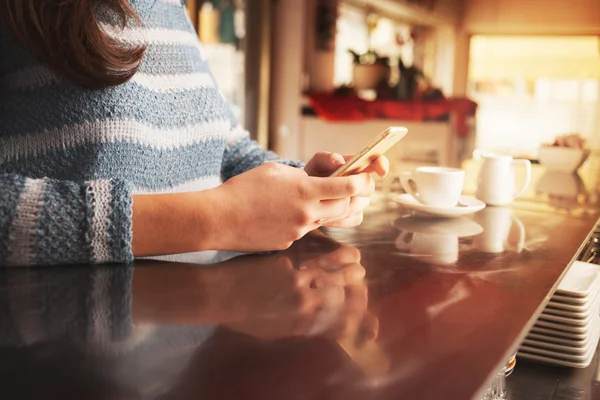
{"x":208,"y":326}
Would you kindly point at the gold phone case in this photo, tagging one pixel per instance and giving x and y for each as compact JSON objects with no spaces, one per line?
{"x":382,"y":143}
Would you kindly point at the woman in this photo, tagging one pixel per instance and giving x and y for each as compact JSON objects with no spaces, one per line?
{"x":114,"y":140}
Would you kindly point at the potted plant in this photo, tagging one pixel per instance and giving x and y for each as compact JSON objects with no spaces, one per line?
{"x":370,"y":70}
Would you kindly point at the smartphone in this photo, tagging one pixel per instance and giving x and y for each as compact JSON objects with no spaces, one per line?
{"x":382,"y":143}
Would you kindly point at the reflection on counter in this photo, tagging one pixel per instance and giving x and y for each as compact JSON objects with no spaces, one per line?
{"x":179,"y":330}
{"x":564,"y":190}
{"x":502,"y":231}
{"x":434,"y":241}
{"x":437,"y":241}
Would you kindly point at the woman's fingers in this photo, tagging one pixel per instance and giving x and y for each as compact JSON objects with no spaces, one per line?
{"x":312,"y":274}
{"x":334,"y":211}
{"x":381,"y":166}
{"x":329,"y":210}
{"x":349,"y":222}
{"x":323,"y":164}
{"x":346,"y":275}
{"x":369,"y":189}
{"x":339,"y":187}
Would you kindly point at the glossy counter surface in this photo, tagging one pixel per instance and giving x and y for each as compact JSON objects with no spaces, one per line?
{"x":441,"y":306}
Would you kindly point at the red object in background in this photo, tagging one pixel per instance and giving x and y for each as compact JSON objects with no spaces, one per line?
{"x":351,"y":108}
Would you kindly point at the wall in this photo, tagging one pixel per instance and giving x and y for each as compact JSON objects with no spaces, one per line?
{"x":287,"y":61}
{"x":317,"y":64}
{"x":258,"y":70}
{"x":560,"y":17}
{"x":452,"y":10}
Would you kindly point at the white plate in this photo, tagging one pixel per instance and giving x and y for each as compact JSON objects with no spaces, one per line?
{"x":573,"y":301}
{"x":569,"y":320}
{"x":569,"y":314}
{"x":460,"y":227}
{"x":573,"y":312}
{"x":565,"y":327}
{"x":555,"y":361}
{"x":557,"y":340}
{"x":540,"y":344}
{"x":471,"y":205}
{"x":577,"y":307}
{"x":582,"y":334}
{"x":579,"y":346}
{"x":556,"y":354}
{"x":572,"y":356}
{"x":556,"y":337}
{"x":580,"y":280}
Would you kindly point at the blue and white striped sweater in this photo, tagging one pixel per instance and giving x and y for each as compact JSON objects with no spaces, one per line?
{"x":71,"y":159}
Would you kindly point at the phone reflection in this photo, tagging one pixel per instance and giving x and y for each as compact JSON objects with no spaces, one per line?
{"x":254,"y":327}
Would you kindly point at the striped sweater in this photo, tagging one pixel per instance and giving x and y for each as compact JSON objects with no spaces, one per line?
{"x":71,"y":159}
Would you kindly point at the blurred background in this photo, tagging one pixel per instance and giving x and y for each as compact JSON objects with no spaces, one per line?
{"x":506,"y":75}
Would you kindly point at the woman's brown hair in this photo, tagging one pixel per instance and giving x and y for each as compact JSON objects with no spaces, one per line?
{"x":68,"y":37}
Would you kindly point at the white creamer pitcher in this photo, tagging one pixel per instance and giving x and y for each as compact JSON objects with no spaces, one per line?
{"x":496,"y":181}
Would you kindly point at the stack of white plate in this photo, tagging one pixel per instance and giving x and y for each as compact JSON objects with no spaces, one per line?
{"x":568,"y":330}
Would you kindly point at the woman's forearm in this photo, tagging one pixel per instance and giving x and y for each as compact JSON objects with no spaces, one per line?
{"x":177,"y":223}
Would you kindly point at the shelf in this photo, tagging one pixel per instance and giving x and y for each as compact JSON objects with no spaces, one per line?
{"x":403,"y":12}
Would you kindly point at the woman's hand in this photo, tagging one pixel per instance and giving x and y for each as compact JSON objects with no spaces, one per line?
{"x":264,"y":209}
{"x":269,"y":207}
{"x":324,"y":164}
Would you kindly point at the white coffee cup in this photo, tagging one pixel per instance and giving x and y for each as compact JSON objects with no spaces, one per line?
{"x":434,"y":186}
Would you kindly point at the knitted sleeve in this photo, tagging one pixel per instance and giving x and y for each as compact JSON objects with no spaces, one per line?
{"x":50,"y":222}
{"x":243,"y":154}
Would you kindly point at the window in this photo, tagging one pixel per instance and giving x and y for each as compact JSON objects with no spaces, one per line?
{"x":531,"y":89}
{"x":352,"y":33}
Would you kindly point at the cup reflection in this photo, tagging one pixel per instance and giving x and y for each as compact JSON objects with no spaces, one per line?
{"x":434,"y":241}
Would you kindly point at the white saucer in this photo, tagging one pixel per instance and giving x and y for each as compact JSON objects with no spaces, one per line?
{"x":470,"y":206}
{"x":461,"y":227}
